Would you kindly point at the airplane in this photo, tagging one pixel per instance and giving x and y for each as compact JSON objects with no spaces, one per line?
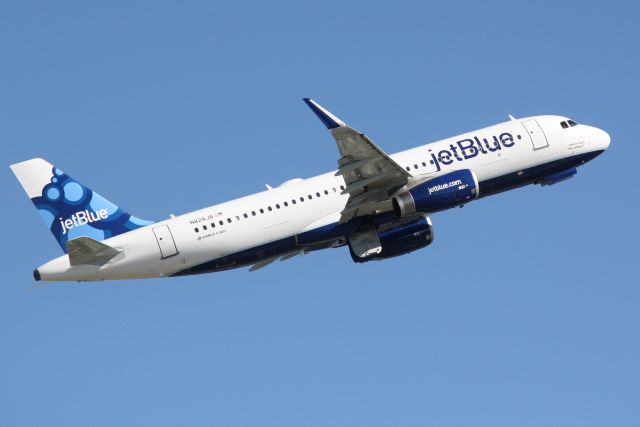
{"x":378,"y":205}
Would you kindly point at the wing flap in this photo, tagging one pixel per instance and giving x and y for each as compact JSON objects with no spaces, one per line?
{"x":346,"y":165}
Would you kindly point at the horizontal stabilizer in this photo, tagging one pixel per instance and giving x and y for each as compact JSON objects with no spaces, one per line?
{"x":85,"y":250}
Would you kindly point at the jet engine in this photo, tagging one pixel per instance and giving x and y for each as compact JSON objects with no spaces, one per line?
{"x":399,"y":239}
{"x":440,"y":193}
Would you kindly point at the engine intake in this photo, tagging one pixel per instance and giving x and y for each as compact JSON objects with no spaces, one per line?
{"x":440,"y":193}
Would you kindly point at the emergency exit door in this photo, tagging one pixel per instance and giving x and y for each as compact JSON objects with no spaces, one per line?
{"x":537,"y":136}
{"x":165,"y":241}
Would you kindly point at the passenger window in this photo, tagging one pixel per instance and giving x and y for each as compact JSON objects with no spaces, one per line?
{"x":334,"y":189}
{"x":213,"y":225}
{"x":564,"y":125}
{"x":269,"y":208}
{"x":317,"y":194}
{"x":277,"y":206}
{"x":253,"y":213}
{"x":415,"y":166}
{"x":424,"y":165}
{"x":286,"y":204}
{"x":261,"y":210}
{"x":310,"y":196}
{"x":204,"y":227}
{"x":326,"y":193}
{"x":245,"y":215}
{"x":196,"y":230}
{"x":221,"y":222}
{"x":342,"y":187}
{"x":293,"y":201}
{"x":301,"y":199}
{"x":408,"y":168}
{"x":229,"y":220}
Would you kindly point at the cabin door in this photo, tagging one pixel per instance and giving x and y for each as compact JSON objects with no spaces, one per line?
{"x":165,"y":241}
{"x":537,"y":136}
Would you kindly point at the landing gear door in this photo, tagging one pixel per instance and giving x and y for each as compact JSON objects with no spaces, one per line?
{"x":537,"y":136}
{"x":165,"y":241}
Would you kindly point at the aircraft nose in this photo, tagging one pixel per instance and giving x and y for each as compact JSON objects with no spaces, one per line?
{"x":602,"y":138}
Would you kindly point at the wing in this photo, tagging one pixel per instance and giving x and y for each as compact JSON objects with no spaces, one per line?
{"x":261,"y":264}
{"x":370,"y":174}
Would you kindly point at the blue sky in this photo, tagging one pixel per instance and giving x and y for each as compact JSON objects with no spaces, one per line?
{"x":524,"y":311}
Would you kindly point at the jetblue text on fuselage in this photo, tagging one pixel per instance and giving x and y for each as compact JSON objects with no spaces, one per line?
{"x":470,"y":148}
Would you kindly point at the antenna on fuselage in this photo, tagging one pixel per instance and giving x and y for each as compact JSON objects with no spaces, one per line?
{"x":511,"y":117}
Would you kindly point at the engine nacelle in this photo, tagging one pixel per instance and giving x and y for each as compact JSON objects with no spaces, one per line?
{"x":401,"y":239}
{"x":443,"y":192}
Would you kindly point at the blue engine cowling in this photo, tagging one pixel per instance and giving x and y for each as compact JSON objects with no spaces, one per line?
{"x":443,"y":192}
{"x":401,"y":239}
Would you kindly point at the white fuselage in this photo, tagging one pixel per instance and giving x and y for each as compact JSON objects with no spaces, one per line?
{"x":518,"y":155}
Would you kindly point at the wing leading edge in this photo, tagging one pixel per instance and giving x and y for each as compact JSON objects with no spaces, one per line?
{"x":371,"y":176}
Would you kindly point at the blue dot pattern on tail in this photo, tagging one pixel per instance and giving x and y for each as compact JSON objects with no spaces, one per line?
{"x":72,"y":210}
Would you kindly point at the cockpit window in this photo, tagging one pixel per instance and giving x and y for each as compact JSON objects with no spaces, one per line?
{"x":564,"y":125}
{"x":572,"y":123}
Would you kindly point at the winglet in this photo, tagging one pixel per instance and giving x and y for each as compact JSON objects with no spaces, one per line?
{"x":329,"y":120}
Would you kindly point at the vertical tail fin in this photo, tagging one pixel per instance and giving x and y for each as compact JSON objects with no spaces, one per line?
{"x":69,"y":208}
